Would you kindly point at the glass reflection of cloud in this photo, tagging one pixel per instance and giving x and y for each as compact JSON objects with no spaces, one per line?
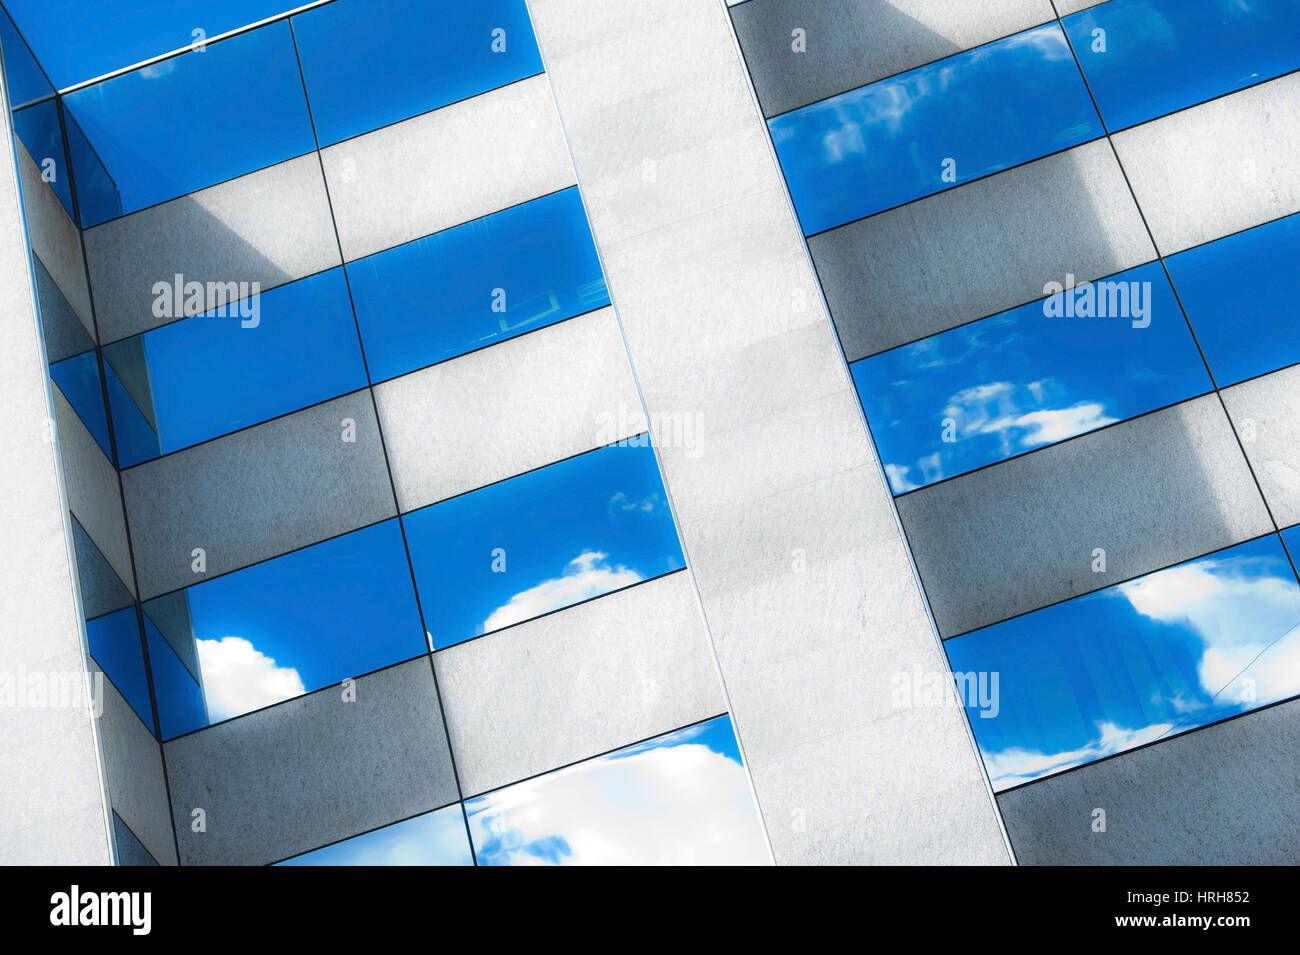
{"x":1137,"y":662}
{"x":435,"y":838}
{"x":682,"y":798}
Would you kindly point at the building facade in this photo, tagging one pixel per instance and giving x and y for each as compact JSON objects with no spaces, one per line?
{"x":588,"y":432}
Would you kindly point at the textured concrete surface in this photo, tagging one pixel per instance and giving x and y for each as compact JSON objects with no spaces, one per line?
{"x":1066,"y":7}
{"x":52,"y":808}
{"x":94,"y":496}
{"x":65,"y":334}
{"x":257,"y":493}
{"x":271,"y":226}
{"x":588,"y":679}
{"x":507,"y":409}
{"x":446,"y":167}
{"x":1222,"y":795}
{"x":855,"y":42}
{"x":1238,"y":155}
{"x":725,"y":329}
{"x":54,"y":236}
{"x":312,"y":770}
{"x":130,"y":850}
{"x":978,"y":249}
{"x":1016,"y":536}
{"x":102,"y":591}
{"x":136,"y":787}
{"x":1266,"y":414}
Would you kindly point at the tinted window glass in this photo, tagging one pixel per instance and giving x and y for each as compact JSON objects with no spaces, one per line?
{"x":435,"y":838}
{"x":115,"y":645}
{"x":78,"y":379}
{"x":934,"y":127}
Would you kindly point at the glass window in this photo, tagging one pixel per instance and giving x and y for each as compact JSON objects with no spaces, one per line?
{"x":38,"y":129}
{"x":364,"y":70}
{"x":161,"y":131}
{"x":78,"y":379}
{"x":679,"y":799}
{"x":1029,"y":377}
{"x":288,"y":626}
{"x":1146,"y":58}
{"x":435,"y":838}
{"x":1240,"y":293}
{"x":114,"y":641}
{"x":478,"y":283}
{"x":208,"y":375}
{"x":1137,"y":662}
{"x":24,"y":78}
{"x":933,"y":127}
{"x":541,"y":541}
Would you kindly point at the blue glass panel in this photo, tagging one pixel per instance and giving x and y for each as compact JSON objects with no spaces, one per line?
{"x":436,"y":838}
{"x":177,"y":692}
{"x":78,"y":379}
{"x":987,"y":109}
{"x":303,"y":621}
{"x":24,"y":78}
{"x":541,"y":541}
{"x":1240,"y":293}
{"x":1134,"y":663}
{"x":437,"y":297}
{"x":136,"y":438}
{"x":207,"y":375}
{"x":1156,"y":56}
{"x":114,"y":641}
{"x":679,"y":799}
{"x":97,"y":193}
{"x":1020,"y":380}
{"x":364,"y":71}
{"x":37,"y":127}
{"x":158,"y":131}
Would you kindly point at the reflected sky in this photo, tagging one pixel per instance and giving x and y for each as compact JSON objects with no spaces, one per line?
{"x":679,"y":799}
{"x":1240,"y":293}
{"x":541,"y":541}
{"x":78,"y":379}
{"x":1137,"y":662}
{"x":294,"y":624}
{"x":1157,"y":56}
{"x":208,"y":375}
{"x":163,"y":130}
{"x":886,"y":143}
{"x":436,"y":297}
{"x":435,"y":838}
{"x":1020,"y":380}
{"x":364,"y":71}
{"x":114,"y":641}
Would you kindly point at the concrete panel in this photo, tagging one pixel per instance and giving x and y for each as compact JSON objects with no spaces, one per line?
{"x":979,"y":249}
{"x":64,"y":332}
{"x":1266,"y":413}
{"x":272,"y":226}
{"x":1239,"y":156}
{"x":102,"y":591}
{"x":136,"y":787}
{"x":1066,"y":7}
{"x":54,"y":237}
{"x":312,"y":770}
{"x":94,"y":495}
{"x":788,"y":528}
{"x":442,"y":168}
{"x":504,"y":410}
{"x":257,"y":493}
{"x":1222,"y":795}
{"x":1014,"y":537}
{"x":588,"y":679}
{"x":850,"y":44}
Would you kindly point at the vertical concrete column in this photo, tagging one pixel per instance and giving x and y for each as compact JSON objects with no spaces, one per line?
{"x":52,"y":803}
{"x":826,"y":648}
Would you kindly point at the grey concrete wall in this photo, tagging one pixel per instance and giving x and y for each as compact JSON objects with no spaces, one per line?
{"x":136,"y":787}
{"x":722,"y":319}
{"x":1266,"y":414}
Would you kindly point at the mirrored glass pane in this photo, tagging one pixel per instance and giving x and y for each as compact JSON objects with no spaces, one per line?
{"x":679,"y":799}
{"x":78,"y":379}
{"x":38,"y":130}
{"x":482,"y":282}
{"x":207,"y":375}
{"x":1090,"y":355}
{"x":541,"y":541}
{"x":114,"y":641}
{"x":24,"y":78}
{"x":435,"y":838}
{"x":157,"y":131}
{"x":1240,"y":293}
{"x":365,"y":71}
{"x":1134,"y":663}
{"x":934,"y":127}
{"x":288,"y":626}
{"x":1146,"y":58}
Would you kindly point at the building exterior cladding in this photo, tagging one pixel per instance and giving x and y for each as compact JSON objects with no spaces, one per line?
{"x":678,"y":432}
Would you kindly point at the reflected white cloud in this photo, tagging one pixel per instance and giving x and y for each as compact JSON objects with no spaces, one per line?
{"x":238,"y":678}
{"x":586,"y":576}
{"x":1016,"y":765}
